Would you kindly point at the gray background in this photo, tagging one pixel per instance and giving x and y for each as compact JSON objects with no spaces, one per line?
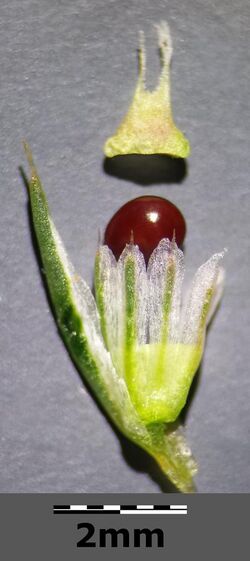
{"x":68,"y":71}
{"x":217,"y":524}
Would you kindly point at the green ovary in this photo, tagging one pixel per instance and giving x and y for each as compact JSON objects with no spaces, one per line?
{"x":159,"y":379}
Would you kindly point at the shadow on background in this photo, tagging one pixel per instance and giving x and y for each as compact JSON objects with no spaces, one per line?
{"x":191,"y":394}
{"x":146,"y":170}
{"x":197,"y":378}
{"x":135,"y":456}
{"x":140,"y":461}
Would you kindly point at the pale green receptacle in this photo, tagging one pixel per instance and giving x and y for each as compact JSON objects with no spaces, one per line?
{"x":159,"y":379}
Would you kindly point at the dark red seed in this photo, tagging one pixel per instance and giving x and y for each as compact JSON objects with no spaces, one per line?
{"x":145,"y":221}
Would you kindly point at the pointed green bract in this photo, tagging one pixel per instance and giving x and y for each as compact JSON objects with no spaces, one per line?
{"x":60,"y":281}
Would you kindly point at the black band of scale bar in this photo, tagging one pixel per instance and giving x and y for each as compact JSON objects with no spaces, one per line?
{"x":120,"y":509}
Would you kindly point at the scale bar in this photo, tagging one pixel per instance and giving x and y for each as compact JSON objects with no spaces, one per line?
{"x":120,"y":509}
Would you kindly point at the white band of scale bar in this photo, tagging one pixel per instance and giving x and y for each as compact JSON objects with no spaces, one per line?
{"x":151,"y":511}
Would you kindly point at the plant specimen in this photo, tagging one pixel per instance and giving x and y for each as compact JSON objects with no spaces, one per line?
{"x":134,"y":343}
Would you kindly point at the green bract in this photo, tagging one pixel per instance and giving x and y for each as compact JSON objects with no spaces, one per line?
{"x":135,"y":345}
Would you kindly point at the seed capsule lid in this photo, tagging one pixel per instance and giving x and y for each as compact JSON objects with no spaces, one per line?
{"x":148,"y":127}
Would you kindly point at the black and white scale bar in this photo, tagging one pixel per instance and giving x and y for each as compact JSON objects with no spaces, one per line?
{"x":120,"y":509}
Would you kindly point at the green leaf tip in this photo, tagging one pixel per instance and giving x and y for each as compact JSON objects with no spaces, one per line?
{"x":30,"y":160}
